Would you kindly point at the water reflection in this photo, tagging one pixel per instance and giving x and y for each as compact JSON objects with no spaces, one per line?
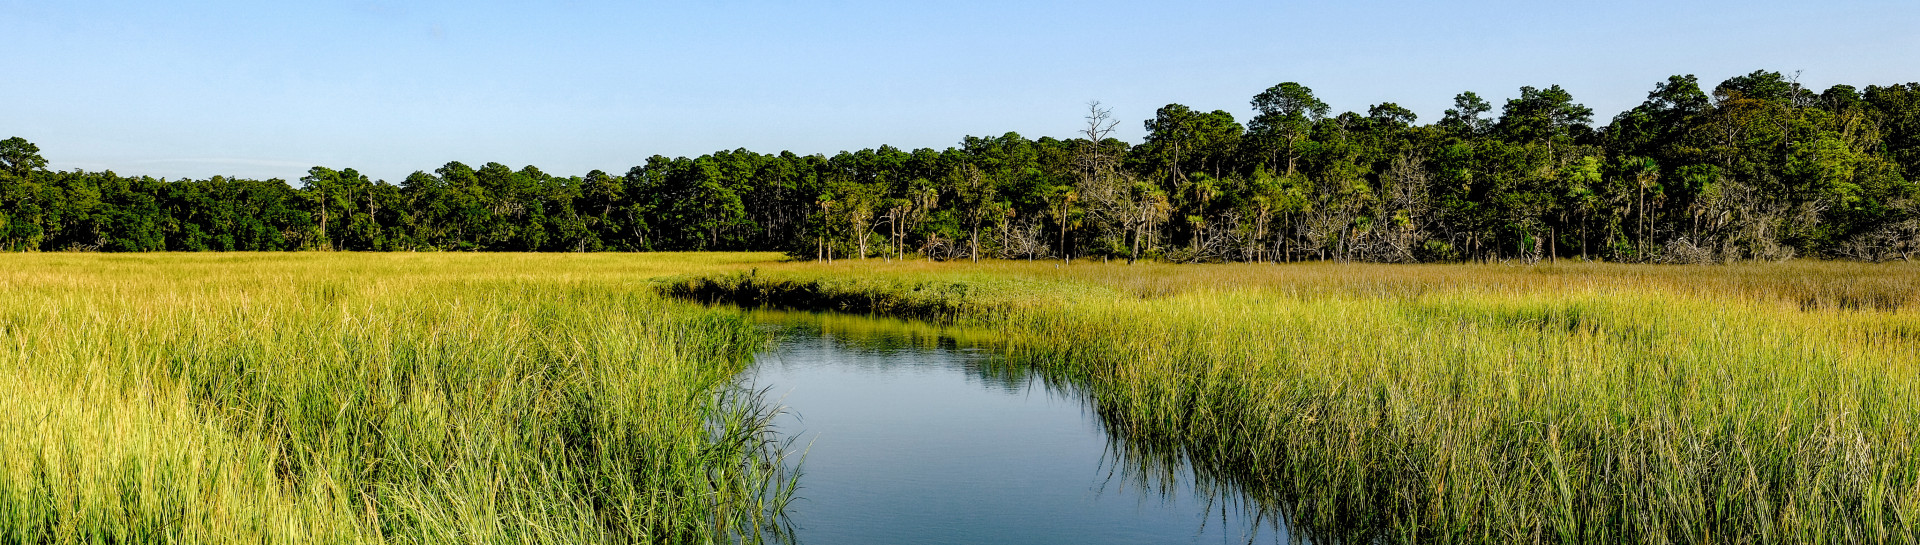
{"x":918,"y":433}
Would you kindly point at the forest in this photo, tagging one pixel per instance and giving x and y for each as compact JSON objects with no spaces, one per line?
{"x":1756,"y":168}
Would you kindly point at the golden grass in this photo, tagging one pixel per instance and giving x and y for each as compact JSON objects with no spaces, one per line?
{"x":376,"y":398}
{"x":1753,"y":403}
{"x":555,"y":398}
{"x":1800,"y":284}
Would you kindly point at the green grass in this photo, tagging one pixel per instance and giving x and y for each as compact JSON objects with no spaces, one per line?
{"x":430,"y":398}
{"x":399,"y":398}
{"x":1583,"y":403}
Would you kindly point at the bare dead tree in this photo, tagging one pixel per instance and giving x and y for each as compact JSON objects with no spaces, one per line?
{"x":1022,"y":237}
{"x":1106,"y":194}
{"x":1408,"y":204}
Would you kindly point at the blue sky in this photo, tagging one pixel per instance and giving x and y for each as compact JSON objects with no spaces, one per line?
{"x":267,"y":89}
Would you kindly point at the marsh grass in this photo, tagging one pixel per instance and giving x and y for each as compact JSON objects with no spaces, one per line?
{"x":875,"y":333}
{"x":1582,"y":403}
{"x":319,"y":398}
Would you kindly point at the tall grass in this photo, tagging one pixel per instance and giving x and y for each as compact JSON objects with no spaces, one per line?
{"x":377,"y":398}
{"x":1765,"y":403}
{"x":891,"y":287}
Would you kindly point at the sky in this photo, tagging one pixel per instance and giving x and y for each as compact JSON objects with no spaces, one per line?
{"x":269,"y":89}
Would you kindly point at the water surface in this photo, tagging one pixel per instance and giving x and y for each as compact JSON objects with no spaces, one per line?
{"x":911,"y":437}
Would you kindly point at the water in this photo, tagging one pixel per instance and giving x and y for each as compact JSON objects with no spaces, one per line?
{"x":909,"y":438}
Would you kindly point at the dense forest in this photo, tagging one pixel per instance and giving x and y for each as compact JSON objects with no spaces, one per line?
{"x":1757,"y":168}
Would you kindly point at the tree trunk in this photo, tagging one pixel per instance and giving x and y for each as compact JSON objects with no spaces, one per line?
{"x":326,"y":243}
{"x":1641,"y":247}
{"x":973,"y":244}
{"x":1135,"y":254}
{"x":1553,"y":246}
{"x":1064,"y":256}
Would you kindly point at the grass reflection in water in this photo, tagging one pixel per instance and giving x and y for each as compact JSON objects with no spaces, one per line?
{"x":839,"y":369}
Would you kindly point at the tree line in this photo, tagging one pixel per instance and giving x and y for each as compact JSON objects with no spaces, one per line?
{"x":1758,"y":167}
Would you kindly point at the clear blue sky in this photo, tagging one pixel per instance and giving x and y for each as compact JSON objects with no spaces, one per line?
{"x":267,"y":89}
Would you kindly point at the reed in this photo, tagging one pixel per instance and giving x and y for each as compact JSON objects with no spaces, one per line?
{"x":1579,"y":403}
{"x":377,"y":398}
{"x":1001,"y":284}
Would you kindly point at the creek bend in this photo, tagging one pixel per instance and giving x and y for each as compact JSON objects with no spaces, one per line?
{"x":912,"y":434}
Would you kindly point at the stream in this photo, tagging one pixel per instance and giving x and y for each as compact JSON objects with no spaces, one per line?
{"x":911,"y":435}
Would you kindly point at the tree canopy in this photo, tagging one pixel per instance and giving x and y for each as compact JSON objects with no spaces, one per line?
{"x":1757,"y":168}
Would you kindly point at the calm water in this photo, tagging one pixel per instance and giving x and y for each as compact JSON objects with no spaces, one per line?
{"x":910,"y":439}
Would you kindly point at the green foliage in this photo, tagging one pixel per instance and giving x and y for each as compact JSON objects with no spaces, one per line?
{"x":1464,"y":118}
{"x":18,"y":157}
{"x":1760,"y":168}
{"x":1543,"y":115}
{"x":1284,"y":116}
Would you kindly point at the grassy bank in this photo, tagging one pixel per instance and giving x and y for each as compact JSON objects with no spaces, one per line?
{"x":1763,"y":403}
{"x":328,"y":398}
